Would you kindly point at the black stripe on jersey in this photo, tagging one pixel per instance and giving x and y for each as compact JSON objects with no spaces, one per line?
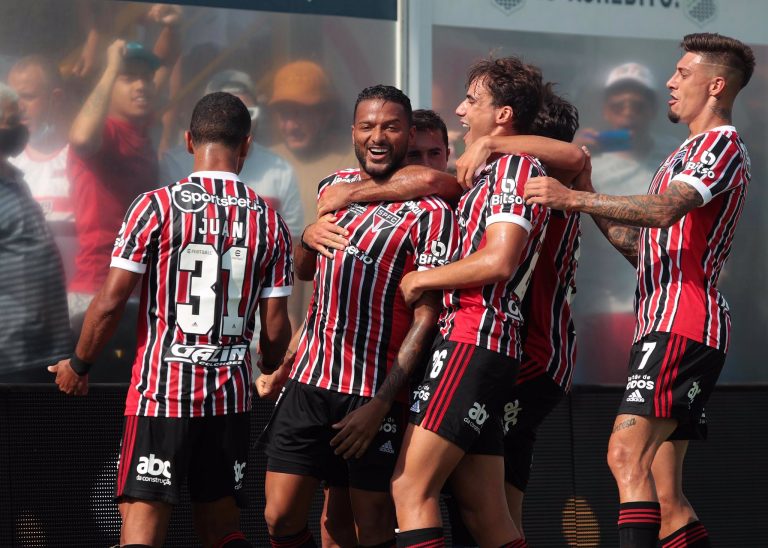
{"x":728,"y":175}
{"x":219,"y":189}
{"x":665,"y":275}
{"x":140,"y":225}
{"x":647,"y":275}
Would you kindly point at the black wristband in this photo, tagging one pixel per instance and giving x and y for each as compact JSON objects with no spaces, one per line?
{"x":304,"y":244}
{"x":79,"y":366}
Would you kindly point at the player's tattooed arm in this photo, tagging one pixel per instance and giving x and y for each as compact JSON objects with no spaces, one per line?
{"x":623,"y":237}
{"x":650,"y":210}
{"x":407,"y":183}
{"x":358,"y":428}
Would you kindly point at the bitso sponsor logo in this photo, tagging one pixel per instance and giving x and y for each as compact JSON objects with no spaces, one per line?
{"x":511,"y":411}
{"x":193,"y":198}
{"x":436,"y":255}
{"x":153,"y":470}
{"x":239,"y":474}
{"x":476,"y":417}
{"x":207,"y":354}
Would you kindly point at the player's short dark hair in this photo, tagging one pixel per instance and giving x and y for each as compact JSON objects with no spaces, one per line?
{"x":557,"y":119}
{"x":429,"y":120}
{"x":511,"y":83}
{"x":386,"y":93}
{"x":222,"y":118}
{"x":722,"y":50}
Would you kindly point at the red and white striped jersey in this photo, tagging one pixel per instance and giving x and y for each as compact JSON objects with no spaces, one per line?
{"x":549,"y":336}
{"x":357,"y":318}
{"x":490,"y":316}
{"x":679,"y":266}
{"x":209,"y":248}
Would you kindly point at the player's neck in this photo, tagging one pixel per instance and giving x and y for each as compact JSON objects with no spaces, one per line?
{"x":713,"y":115}
{"x":216,"y":158}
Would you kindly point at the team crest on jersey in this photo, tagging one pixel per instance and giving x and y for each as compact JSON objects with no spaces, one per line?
{"x":384,"y":219}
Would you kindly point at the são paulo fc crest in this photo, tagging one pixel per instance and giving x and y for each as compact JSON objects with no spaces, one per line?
{"x":508,"y":6}
{"x":700,"y":12}
{"x":384,"y":219}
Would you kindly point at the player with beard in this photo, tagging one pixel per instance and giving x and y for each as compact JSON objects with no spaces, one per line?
{"x":340,"y":416}
{"x":679,"y":237}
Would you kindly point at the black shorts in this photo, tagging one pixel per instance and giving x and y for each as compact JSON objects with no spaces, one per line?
{"x":158,"y":454}
{"x":525,"y":408}
{"x":671,"y":376}
{"x":461,"y":395}
{"x":297,"y":439}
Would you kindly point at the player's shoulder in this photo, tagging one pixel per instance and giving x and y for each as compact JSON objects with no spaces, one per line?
{"x":508,"y":162}
{"x":348,"y":175}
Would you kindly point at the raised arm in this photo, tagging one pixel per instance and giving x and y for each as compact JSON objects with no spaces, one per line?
{"x":407,"y":183}
{"x":566,"y":158}
{"x":275,"y":332}
{"x":358,"y":428}
{"x":85,"y":135}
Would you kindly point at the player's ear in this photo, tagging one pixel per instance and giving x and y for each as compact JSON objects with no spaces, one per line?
{"x":717,"y":86}
{"x":188,"y":142}
{"x":504,"y":115}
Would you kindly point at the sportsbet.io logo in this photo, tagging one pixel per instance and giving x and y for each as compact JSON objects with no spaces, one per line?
{"x":193,"y":198}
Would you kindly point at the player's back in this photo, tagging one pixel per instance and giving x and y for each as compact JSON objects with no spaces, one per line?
{"x":212,"y":248}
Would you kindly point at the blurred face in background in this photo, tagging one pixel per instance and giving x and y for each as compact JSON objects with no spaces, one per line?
{"x":134,"y":92}
{"x":630,"y":109}
{"x":301,"y":126}
{"x":428,"y":149}
{"x":38,"y":102}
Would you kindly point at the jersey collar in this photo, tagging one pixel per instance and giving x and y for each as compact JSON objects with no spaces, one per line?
{"x":226,"y":175}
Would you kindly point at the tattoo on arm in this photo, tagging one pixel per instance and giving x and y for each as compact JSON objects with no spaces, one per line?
{"x":652,"y":210}
{"x":624,"y":425}
{"x":624,"y":238}
{"x":412,"y":351}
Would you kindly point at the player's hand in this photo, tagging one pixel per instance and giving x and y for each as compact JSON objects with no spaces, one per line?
{"x":357,"y":430}
{"x":409,"y":286}
{"x":334,"y":197}
{"x":165,"y":14}
{"x":324,"y":234}
{"x":67,"y":380}
{"x":583,"y":180}
{"x":474,"y":158}
{"x":268,"y":387}
{"x":115,"y":54}
{"x":548,"y":192}
{"x":587,"y":137}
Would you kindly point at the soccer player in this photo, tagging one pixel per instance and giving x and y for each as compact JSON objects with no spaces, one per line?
{"x":679,"y":236}
{"x":210,"y":251}
{"x":455,"y":425}
{"x":360,"y":340}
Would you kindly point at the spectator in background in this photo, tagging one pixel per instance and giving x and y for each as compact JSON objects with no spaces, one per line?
{"x":111,"y":160}
{"x":45,"y":112}
{"x":305,"y":108}
{"x":34,"y":327}
{"x":269,"y":175}
{"x":624,"y":159}
{"x":310,"y":139}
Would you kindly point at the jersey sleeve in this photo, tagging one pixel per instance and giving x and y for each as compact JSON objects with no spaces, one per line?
{"x":435,"y":237}
{"x":507,"y":178}
{"x":278,"y":274}
{"x":136,"y":238}
{"x":715,"y":165}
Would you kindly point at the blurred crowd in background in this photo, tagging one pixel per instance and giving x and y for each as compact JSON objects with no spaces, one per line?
{"x":106,"y":89}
